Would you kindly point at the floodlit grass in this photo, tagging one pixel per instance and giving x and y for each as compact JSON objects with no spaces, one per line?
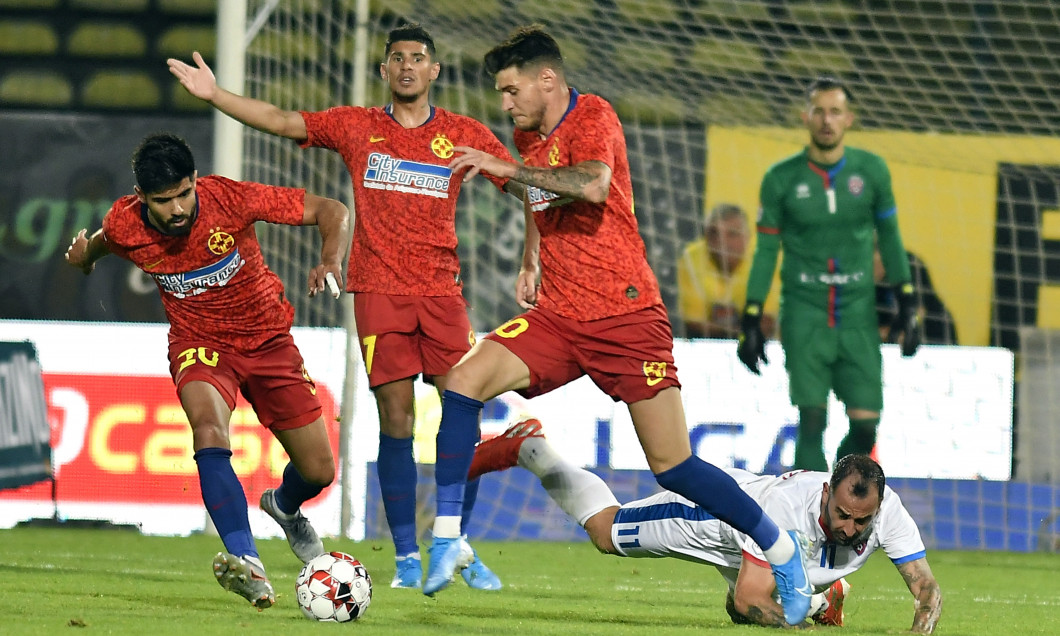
{"x":119,"y":582}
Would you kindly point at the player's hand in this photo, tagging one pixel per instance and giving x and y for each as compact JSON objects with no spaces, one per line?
{"x":905,"y":329}
{"x":526,"y":289}
{"x":475,"y":161}
{"x":77,"y":253}
{"x":752,"y":342}
{"x":318,"y":279}
{"x":198,"y":80}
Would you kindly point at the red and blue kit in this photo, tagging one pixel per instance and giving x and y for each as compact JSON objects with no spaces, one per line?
{"x":593,"y":261}
{"x":404,"y":236}
{"x":214,"y":282}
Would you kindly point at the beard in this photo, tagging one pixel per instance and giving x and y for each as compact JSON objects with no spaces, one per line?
{"x":824,"y":146}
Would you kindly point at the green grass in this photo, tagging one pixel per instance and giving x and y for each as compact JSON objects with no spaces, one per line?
{"x":72,"y":581}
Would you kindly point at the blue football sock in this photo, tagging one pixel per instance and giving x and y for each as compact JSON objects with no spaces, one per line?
{"x":718,"y":493}
{"x":397,"y":483}
{"x":457,"y":434}
{"x":470,"y":495}
{"x":225,"y":500}
{"x":294,"y":490}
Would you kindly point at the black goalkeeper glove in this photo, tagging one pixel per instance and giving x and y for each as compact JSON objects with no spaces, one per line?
{"x":752,"y":342}
{"x":905,"y":328}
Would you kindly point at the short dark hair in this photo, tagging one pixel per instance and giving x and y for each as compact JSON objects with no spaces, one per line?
{"x":411,"y":32}
{"x":869,"y":474}
{"x":723,"y":212}
{"x":162,"y":161}
{"x":829,"y":83}
{"x":525,"y":46}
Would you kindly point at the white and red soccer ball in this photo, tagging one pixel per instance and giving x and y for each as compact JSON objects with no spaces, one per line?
{"x":333,"y":587}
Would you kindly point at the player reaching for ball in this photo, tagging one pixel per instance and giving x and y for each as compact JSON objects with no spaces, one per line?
{"x":229,"y":334}
{"x":403,"y":267}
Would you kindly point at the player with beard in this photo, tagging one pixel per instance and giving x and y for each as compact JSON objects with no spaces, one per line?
{"x":229,"y":334}
{"x":825,"y":207}
{"x":596,"y":311}
{"x":403,"y":268}
{"x":846,"y":516}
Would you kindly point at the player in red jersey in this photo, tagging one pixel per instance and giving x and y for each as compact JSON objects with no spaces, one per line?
{"x":403,"y":267}
{"x":597,"y":311}
{"x":229,"y":333}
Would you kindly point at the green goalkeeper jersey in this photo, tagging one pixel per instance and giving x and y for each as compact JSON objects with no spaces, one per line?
{"x":826,"y":219}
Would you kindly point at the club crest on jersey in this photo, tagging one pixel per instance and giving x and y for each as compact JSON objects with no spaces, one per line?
{"x":553,"y":154}
{"x":402,"y":175}
{"x":655,"y":372}
{"x":220,"y":241}
{"x":860,"y":546}
{"x":856,"y":185}
{"x":441,"y":146}
{"x":197,"y":281}
{"x":802,"y":191}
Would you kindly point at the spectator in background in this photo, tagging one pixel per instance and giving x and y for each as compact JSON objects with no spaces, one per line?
{"x":712,"y":277}
{"x":938,"y":324}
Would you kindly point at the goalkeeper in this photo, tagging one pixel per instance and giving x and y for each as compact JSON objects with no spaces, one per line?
{"x":825,"y":206}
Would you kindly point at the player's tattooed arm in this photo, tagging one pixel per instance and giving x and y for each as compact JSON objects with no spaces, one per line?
{"x":586,"y":181}
{"x":767,"y":616}
{"x":927,"y":595}
{"x":516,"y":189}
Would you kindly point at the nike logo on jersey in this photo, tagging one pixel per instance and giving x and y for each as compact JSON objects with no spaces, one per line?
{"x":374,"y":139}
{"x":155,"y":264}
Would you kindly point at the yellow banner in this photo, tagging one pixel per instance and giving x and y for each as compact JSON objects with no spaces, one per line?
{"x":946,"y":189}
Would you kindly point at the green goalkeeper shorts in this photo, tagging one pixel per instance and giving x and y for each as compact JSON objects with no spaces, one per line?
{"x":821,"y":358}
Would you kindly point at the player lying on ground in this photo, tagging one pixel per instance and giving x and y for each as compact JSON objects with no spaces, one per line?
{"x":229,"y":334}
{"x":846,"y":516}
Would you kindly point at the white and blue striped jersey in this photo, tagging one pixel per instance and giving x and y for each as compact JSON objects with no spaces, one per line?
{"x":668,"y":525}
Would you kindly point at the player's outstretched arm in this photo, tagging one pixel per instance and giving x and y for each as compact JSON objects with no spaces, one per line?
{"x":199,"y":80}
{"x":332,"y":219}
{"x":927,"y":594}
{"x":85,"y":250}
{"x":586,"y":181}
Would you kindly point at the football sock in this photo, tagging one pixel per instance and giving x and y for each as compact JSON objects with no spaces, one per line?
{"x":294,"y":490}
{"x":225,"y":500}
{"x":397,"y":483}
{"x":457,"y":434}
{"x":578,"y":492}
{"x":716,"y":492}
{"x":861,"y":437}
{"x":809,"y":444}
{"x":470,"y":495}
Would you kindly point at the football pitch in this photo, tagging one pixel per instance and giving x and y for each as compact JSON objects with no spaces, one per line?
{"x":119,"y":582}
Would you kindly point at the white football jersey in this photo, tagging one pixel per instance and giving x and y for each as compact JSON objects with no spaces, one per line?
{"x":668,"y":525}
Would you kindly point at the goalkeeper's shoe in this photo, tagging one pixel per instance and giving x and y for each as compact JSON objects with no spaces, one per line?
{"x":477,"y":575}
{"x":502,"y":452}
{"x":793,"y":584}
{"x":833,"y":613}
{"x":246,"y":577}
{"x":447,"y":557}
{"x":300,"y":533}
{"x":408,"y":572}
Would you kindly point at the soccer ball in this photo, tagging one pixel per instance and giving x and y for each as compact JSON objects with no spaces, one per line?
{"x":333,"y":587}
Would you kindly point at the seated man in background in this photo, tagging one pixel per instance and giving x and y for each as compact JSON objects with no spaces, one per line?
{"x":712,"y":277}
{"x":844,"y":517}
{"x":938,"y":324}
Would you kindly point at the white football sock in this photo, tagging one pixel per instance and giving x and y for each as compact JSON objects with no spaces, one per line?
{"x":578,"y":492}
{"x":781,"y":551}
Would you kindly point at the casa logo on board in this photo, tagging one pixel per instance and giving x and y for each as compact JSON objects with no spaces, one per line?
{"x":220,"y":241}
{"x":856,"y":185}
{"x":441,"y":146}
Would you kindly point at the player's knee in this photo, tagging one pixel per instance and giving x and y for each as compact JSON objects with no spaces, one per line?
{"x":209,"y":432}
{"x":598,"y":527}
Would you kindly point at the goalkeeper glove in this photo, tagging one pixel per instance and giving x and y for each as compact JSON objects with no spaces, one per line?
{"x":752,"y":342}
{"x":905,"y":327}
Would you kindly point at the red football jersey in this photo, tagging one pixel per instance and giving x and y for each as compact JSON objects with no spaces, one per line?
{"x":593,"y":261}
{"x":214,"y":283}
{"x":404,"y":234}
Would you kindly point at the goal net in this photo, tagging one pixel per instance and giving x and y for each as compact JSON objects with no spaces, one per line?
{"x":959,"y":97}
